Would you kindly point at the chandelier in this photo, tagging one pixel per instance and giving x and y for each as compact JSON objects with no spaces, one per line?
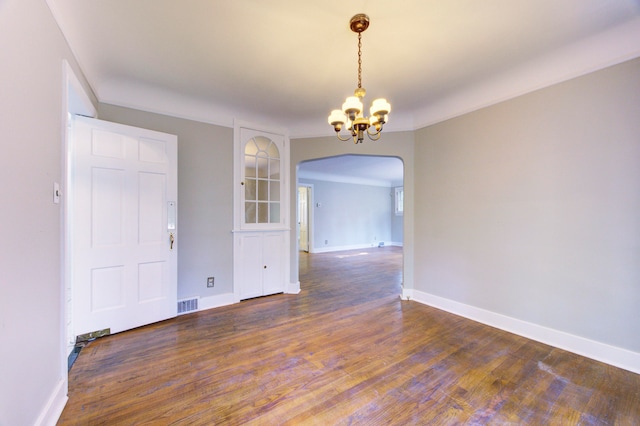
{"x":351,"y":116}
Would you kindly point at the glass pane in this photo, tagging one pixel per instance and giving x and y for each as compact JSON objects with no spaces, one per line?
{"x":250,"y":148}
{"x":263,"y":188}
{"x":249,"y":189}
{"x":275,"y":212}
{"x":273,"y":151}
{"x":263,"y":213}
{"x":262,"y":142}
{"x":263,"y":164}
{"x":250,"y":166}
{"x":274,"y":191}
{"x":250,"y":212}
{"x":274,"y":169}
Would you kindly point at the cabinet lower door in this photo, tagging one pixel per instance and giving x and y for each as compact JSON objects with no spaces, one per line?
{"x":259,"y":263}
{"x":273,"y":258}
{"x":249,"y":266}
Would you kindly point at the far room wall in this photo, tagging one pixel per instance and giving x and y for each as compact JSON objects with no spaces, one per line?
{"x":348,"y":215}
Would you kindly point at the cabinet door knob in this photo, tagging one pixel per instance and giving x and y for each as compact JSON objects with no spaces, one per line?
{"x":265,"y":266}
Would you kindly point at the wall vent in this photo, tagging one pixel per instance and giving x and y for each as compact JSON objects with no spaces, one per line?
{"x":187,"y":305}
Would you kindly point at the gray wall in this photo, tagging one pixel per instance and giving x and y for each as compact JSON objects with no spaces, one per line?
{"x":32,"y":339}
{"x":530,"y":208}
{"x":205,"y":197}
{"x":349,"y":214}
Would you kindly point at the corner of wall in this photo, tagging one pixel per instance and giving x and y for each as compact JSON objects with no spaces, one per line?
{"x":53,"y":409}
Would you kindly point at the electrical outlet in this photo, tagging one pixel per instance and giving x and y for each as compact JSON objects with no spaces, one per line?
{"x":210,"y":282}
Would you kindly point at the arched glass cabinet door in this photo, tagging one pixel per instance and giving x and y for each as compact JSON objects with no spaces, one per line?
{"x":262,"y":181}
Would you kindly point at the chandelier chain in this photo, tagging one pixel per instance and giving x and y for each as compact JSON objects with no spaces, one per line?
{"x":359,"y":60}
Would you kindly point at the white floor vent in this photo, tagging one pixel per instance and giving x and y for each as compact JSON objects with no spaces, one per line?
{"x":187,"y":305}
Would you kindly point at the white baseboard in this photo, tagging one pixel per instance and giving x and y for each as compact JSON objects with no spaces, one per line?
{"x":351,"y":247}
{"x":53,"y":409}
{"x":603,"y":352}
{"x":216,"y":301}
{"x":293,"y":288}
{"x":219,"y":300}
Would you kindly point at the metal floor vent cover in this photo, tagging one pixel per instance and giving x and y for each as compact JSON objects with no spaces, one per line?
{"x":187,"y":305}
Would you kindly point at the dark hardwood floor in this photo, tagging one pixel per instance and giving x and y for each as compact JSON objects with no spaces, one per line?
{"x":346,"y":350}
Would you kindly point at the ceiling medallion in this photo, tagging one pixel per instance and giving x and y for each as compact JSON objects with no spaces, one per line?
{"x":351,"y":116}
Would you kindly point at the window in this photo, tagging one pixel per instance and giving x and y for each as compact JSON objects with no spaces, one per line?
{"x":262,"y":181}
{"x":399,"y":197}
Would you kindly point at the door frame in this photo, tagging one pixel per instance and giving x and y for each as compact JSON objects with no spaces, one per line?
{"x":310,"y":204}
{"x":75,"y":101}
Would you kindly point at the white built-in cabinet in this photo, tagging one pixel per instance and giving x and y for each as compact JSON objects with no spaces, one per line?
{"x":261,"y":263}
{"x":261,"y":211}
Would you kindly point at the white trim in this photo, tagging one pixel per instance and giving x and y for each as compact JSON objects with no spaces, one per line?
{"x":226,"y":299}
{"x":293,"y":288}
{"x":596,"y":52}
{"x":351,"y":247}
{"x":599,"y":351}
{"x":53,"y":409}
{"x":77,"y":102}
{"x":216,"y":301}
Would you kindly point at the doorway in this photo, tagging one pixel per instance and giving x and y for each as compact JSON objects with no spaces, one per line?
{"x":305,"y":224}
{"x":353,"y":205}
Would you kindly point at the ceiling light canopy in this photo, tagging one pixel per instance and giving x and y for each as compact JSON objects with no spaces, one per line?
{"x":352,"y":116}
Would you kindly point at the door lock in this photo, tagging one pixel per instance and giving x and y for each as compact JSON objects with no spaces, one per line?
{"x":171,"y":240}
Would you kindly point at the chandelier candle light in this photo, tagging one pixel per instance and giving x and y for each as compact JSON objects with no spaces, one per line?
{"x":351,"y":115}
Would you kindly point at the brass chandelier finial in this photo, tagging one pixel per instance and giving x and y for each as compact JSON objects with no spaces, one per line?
{"x":351,"y":116}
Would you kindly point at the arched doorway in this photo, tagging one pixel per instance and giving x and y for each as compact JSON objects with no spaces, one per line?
{"x":350,"y":202}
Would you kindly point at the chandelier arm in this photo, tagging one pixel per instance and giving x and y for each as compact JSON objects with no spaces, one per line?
{"x":345,"y":139}
{"x":375,"y":136}
{"x":376,"y":133}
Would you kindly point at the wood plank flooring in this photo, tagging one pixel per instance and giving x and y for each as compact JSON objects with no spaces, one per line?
{"x":346,"y":351}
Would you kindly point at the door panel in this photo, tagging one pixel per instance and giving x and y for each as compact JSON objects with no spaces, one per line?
{"x":273,"y":249}
{"x":303,"y":218}
{"x":249,"y":277}
{"x":124,"y":272}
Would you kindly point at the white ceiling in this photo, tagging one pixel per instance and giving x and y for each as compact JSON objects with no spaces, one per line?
{"x":288,"y":63}
{"x":358,"y":169}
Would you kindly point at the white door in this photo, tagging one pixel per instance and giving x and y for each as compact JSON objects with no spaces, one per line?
{"x":123,"y":200}
{"x":303,"y":218}
{"x":249,"y":255}
{"x":273,"y":264}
